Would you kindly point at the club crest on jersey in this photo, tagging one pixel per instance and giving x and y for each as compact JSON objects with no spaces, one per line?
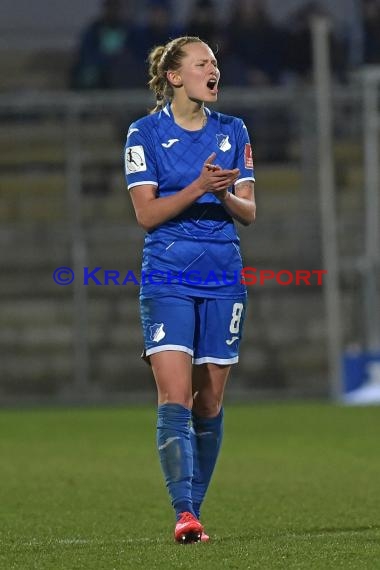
{"x":157,"y":332}
{"x":223,"y":142}
{"x":135,"y":159}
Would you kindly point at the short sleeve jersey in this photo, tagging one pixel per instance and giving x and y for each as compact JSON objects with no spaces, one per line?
{"x":196,"y":253}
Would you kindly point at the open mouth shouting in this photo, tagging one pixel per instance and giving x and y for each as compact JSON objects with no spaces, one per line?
{"x":212,"y":85}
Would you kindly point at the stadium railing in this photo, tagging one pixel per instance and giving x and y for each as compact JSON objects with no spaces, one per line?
{"x":64,"y":203}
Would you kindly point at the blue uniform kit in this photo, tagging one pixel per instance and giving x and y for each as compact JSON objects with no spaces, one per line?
{"x":191,"y":296}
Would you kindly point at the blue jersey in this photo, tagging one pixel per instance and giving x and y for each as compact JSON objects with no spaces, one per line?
{"x":196,"y":253}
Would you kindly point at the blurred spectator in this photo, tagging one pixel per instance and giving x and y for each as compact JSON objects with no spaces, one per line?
{"x":106,"y":58}
{"x":156,"y":28}
{"x":203,"y":21}
{"x":257,"y":41}
{"x":253,"y":56}
{"x":371,"y":16}
{"x":233,"y":72}
{"x":299,"y":52}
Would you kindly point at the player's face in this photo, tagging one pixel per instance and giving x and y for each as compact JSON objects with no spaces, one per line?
{"x":199,"y":73}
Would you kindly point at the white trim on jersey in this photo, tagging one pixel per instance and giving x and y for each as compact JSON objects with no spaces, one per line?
{"x":251,"y":178}
{"x":141,"y":183}
{"x":213,"y":360}
{"x":169,"y":347}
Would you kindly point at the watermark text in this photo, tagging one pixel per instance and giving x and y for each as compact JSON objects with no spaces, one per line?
{"x":249,"y":276}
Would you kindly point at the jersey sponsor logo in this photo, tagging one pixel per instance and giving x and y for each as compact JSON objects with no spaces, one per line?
{"x":169,"y":143}
{"x":157,"y":332}
{"x":223,"y":142}
{"x":248,"y":156}
{"x":131,"y":131}
{"x":135,"y":159}
{"x":231,"y":340}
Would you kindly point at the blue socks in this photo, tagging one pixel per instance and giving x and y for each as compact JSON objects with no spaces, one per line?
{"x":176,"y":454}
{"x":187,"y":455}
{"x":206,"y":438}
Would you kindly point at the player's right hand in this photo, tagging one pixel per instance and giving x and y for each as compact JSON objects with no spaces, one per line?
{"x":213,"y":178}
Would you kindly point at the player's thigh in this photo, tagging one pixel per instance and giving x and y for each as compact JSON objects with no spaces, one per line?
{"x":209,"y":382}
{"x":168,"y":327}
{"x":172,"y":371}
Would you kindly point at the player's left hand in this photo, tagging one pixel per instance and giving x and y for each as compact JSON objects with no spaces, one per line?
{"x":212,"y":167}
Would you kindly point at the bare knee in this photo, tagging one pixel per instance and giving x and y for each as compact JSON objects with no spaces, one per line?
{"x":184,"y":400}
{"x":209,"y":381}
{"x":207,"y":405}
{"x":172,"y":373}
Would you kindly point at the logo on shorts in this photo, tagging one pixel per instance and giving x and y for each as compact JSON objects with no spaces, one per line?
{"x":157,"y":332}
{"x":223,"y":142}
{"x":232,"y":340}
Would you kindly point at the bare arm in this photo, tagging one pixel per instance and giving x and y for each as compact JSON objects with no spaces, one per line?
{"x":152,"y":211}
{"x":241,"y":205}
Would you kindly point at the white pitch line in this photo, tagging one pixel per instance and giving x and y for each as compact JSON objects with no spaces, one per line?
{"x":89,"y":541}
{"x":96,"y":541}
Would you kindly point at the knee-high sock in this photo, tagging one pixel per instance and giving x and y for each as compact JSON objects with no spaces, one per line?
{"x":206,"y":438}
{"x":176,"y":454}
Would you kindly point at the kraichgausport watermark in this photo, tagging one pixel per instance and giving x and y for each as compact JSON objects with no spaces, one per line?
{"x":248,"y":276}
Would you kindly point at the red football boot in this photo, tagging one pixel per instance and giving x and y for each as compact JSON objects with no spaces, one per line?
{"x":188,"y":529}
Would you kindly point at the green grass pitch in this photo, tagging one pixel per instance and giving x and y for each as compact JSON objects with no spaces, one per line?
{"x":296,"y":486}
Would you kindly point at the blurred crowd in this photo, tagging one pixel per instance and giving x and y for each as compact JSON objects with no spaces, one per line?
{"x":252,"y":48}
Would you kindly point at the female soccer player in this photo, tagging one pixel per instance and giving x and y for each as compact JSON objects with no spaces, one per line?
{"x":190,"y":173}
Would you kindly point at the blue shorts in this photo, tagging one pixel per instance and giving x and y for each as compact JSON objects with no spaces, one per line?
{"x":207,"y":329}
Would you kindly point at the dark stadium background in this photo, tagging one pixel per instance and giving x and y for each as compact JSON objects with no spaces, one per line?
{"x":64,"y":200}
